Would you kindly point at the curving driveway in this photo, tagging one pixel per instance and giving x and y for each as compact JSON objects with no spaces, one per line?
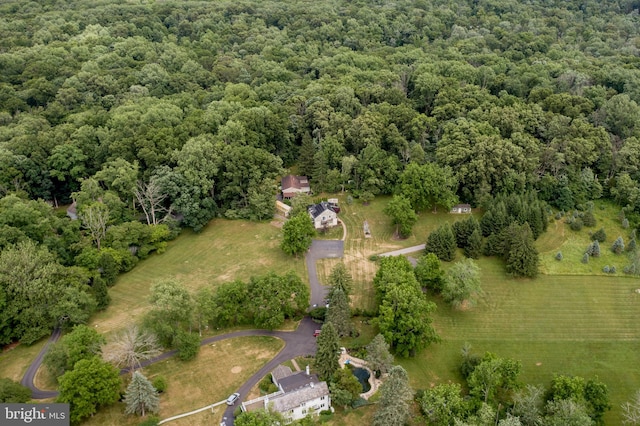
{"x":297,"y":343}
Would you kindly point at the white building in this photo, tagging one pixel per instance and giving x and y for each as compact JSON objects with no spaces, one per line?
{"x":299,"y":395}
{"x":323,"y":216}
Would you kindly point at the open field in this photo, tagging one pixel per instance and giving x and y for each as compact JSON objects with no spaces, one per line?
{"x":559,"y":237}
{"x":580,"y":325}
{"x":218,"y":370}
{"x":15,"y":360}
{"x":223,"y":251}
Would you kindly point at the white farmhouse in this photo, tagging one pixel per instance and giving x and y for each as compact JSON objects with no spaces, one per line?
{"x":299,"y":395}
{"x":323,"y":215}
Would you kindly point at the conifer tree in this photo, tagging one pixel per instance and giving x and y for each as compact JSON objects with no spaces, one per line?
{"x":522,"y":258}
{"x":339,"y":313}
{"x":442,"y":243}
{"x":141,"y":397}
{"x":327,"y":352}
{"x":618,"y":245}
{"x":378,"y":356}
{"x":474,"y":245}
{"x":340,"y":278}
{"x":393,"y":407}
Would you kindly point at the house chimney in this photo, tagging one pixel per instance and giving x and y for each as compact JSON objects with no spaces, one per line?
{"x":307,"y":370}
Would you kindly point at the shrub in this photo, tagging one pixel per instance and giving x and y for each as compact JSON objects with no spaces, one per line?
{"x":151,"y":421}
{"x":618,"y":245}
{"x":576,"y":224}
{"x":589,"y":219}
{"x":593,"y":249}
{"x":558,"y":216}
{"x":612,"y":270}
{"x":349,"y":200}
{"x":625,"y":223}
{"x":267,"y":386}
{"x":631,"y":247}
{"x":559,"y":256}
{"x":599,"y":235}
{"x":160,"y":383}
{"x":585,"y":258}
{"x":605,"y":269}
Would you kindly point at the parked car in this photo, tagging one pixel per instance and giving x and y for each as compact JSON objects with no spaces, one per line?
{"x":316,"y":333}
{"x":233,"y":398}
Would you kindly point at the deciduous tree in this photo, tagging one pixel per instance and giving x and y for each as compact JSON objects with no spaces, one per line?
{"x":91,"y":384}
{"x":462,"y":283}
{"x":401,"y":214}
{"x":297,"y":233}
{"x":378,"y":358}
{"x":393,"y":406}
{"x":131,"y":347}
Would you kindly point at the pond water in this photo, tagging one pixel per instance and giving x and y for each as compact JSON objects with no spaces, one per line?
{"x":362,"y":374}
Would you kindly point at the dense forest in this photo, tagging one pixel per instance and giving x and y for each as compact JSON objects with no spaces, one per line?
{"x":157,"y":115}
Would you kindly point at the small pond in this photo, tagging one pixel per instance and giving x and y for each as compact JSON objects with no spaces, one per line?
{"x":362,"y":374}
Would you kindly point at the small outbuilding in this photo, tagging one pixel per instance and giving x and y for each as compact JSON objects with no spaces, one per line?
{"x":461,"y":209}
{"x":292,"y":185}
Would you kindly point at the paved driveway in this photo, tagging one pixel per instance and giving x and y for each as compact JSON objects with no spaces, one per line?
{"x":321,"y":249}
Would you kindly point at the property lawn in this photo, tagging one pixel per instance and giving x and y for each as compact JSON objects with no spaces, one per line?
{"x":15,"y":359}
{"x":358,"y":249}
{"x":223,"y":251}
{"x":577,"y":325}
{"x":218,"y":370}
{"x":573,"y":244}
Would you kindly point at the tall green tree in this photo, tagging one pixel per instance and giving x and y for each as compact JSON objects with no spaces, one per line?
{"x":277,"y":297}
{"x":443,"y":404}
{"x":339,"y":313}
{"x":340,"y":278}
{"x":401,"y":214}
{"x":11,"y":391}
{"x":327,"y":352}
{"x":462,"y":283}
{"x":429,"y":272}
{"x":378,"y":357}
{"x":393,"y":406}
{"x":141,"y":397}
{"x":81,"y":343}
{"x":428,"y":185}
{"x":522,"y":256}
{"x":297,"y":233}
{"x":442,"y":243}
{"x":91,"y":384}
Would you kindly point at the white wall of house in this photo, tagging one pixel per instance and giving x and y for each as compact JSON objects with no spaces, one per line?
{"x":309,"y":407}
{"x":327,"y":218}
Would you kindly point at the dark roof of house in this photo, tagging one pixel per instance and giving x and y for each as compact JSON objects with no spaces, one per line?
{"x":462,"y":206}
{"x":280,"y":372}
{"x":316,"y":210}
{"x":298,"y":380}
{"x":292,"y":181}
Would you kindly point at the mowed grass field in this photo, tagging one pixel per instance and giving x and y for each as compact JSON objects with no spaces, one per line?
{"x":223,"y":251}
{"x":575,"y":325}
{"x":218,"y":370}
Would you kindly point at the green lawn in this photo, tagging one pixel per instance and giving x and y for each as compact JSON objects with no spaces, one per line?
{"x":223,"y":251}
{"x":581,"y":325}
{"x":573,"y":244}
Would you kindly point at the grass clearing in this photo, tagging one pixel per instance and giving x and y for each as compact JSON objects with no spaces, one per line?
{"x":14,"y":360}
{"x":580,"y":325}
{"x":218,"y":370}
{"x":223,"y":251}
{"x":573,"y":244}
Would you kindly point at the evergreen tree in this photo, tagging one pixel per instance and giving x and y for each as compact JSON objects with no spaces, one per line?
{"x":631,"y":247}
{"x":327,"y":352}
{"x":522,"y":258}
{"x":463,"y":229}
{"x":594,"y":249}
{"x":599,"y":235}
{"x":395,"y":395}
{"x":442,"y":242}
{"x":306,"y":156}
{"x":585,"y":258}
{"x":340,"y":279}
{"x":141,"y":397}
{"x":618,"y":245}
{"x":378,"y":356}
{"x":474,"y":245}
{"x":339,"y":313}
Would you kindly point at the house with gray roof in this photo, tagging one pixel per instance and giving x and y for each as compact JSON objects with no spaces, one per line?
{"x":299,"y":395}
{"x":323,"y":215}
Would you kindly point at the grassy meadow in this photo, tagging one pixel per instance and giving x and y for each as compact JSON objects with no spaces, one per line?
{"x":223,"y":251}
{"x":219,"y":370}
